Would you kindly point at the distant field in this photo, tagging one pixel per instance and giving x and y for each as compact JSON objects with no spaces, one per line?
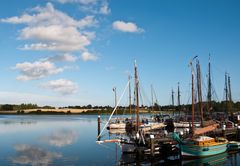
{"x":65,"y":110}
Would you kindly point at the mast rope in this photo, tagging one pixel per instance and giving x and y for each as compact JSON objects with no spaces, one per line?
{"x":114,"y":109}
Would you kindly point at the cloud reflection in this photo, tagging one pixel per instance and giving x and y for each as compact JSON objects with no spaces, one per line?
{"x":61,"y":138}
{"x":34,"y":155}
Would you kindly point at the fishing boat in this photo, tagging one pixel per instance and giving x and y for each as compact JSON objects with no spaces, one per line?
{"x":198,"y":145}
{"x":203,"y":146}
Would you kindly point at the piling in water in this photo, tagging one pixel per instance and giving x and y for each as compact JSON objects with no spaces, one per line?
{"x":99,"y":127}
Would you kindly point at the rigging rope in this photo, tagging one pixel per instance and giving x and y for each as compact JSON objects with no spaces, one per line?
{"x":114,"y":109}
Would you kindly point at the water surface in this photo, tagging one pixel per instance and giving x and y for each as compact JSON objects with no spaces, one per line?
{"x":42,"y":140}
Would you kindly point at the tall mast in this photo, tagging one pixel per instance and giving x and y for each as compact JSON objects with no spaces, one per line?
{"x":152,"y":97}
{"x":192,"y":72}
{"x":199,"y":89}
{"x":179,"y":99}
{"x":130,"y":98}
{"x":209,"y":95}
{"x":226,"y":92}
{"x":229,"y":94}
{"x":136,"y":93}
{"x":173,"y":100}
{"x":115,"y":97}
{"x":229,"y":89}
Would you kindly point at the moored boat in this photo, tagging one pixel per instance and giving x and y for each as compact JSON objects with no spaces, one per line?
{"x":203,"y":146}
{"x":197,"y":145}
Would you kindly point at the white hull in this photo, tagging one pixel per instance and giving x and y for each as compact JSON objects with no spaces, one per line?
{"x":184,"y":124}
{"x":117,"y":126}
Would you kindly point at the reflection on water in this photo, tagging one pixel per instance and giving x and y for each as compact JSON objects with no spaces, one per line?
{"x":53,"y":140}
{"x":60,"y":138}
{"x":34,"y":155}
{"x":220,"y":159}
{"x":71,"y":140}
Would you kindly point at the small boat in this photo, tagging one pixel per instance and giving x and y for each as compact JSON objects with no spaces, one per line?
{"x":120,"y":125}
{"x":203,"y":146}
{"x":233,"y":145}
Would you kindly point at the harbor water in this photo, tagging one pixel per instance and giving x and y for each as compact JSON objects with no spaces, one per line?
{"x":42,"y":140}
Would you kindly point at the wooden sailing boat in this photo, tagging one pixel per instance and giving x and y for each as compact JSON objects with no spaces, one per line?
{"x":199,"y":145}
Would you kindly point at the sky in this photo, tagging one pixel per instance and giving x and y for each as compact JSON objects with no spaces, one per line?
{"x":73,"y":52}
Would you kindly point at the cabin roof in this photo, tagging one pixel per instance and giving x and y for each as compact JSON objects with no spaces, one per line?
{"x":203,"y":138}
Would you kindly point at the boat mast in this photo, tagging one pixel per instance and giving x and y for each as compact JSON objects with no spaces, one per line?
{"x":136,"y":93}
{"x":179,"y":99}
{"x":115,"y":97}
{"x":152,"y":97}
{"x":192,"y":73}
{"x":209,"y":96}
{"x":199,"y":89}
{"x":229,"y":89}
{"x":226,"y":92}
{"x":130,"y":98}
{"x":173,"y":101}
{"x":230,"y":94}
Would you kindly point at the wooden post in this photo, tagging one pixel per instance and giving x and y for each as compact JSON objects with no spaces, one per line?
{"x":152,"y":145}
{"x":99,"y":127}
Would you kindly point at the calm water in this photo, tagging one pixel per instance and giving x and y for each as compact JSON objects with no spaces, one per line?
{"x":70,"y":140}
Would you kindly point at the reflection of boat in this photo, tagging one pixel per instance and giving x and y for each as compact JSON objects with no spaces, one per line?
{"x":233,"y":145}
{"x":127,"y":159}
{"x":128,"y":147}
{"x":216,"y":160}
{"x":117,"y":131}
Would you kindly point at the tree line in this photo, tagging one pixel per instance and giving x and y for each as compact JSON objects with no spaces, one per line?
{"x":215,"y":107}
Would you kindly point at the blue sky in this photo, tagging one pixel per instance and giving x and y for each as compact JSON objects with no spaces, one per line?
{"x":73,"y":52}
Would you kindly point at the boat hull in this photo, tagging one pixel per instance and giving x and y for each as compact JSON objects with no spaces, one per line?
{"x":202,"y":151}
{"x":184,"y":124}
{"x":117,"y":126}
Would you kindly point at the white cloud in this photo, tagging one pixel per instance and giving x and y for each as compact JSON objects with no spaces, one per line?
{"x":54,"y":38}
{"x":91,"y":6}
{"x":87,"y":56}
{"x":53,"y":30}
{"x":126,"y":27}
{"x":36,"y":70}
{"x":33,"y":155}
{"x":61,"y":138}
{"x":62,"y":86}
{"x":61,"y":58}
{"x":46,"y":16}
{"x":104,"y":9}
{"x":84,"y":2}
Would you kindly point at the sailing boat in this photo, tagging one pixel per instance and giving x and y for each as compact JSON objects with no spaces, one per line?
{"x":136,"y":138}
{"x":121,"y":123}
{"x":199,"y":145}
